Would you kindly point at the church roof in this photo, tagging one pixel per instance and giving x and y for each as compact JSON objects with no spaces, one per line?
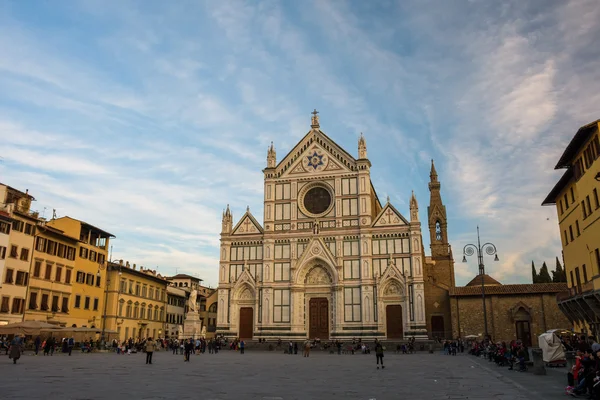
{"x":529,"y":288}
{"x":487,"y":281}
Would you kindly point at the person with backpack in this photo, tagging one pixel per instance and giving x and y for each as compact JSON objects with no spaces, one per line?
{"x":379,"y":353}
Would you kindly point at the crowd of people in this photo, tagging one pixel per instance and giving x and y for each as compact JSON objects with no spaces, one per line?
{"x":502,"y":354}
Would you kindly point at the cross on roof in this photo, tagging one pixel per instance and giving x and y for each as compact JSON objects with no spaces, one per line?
{"x":246,"y":223}
{"x":315,"y":112}
{"x":389,"y":214}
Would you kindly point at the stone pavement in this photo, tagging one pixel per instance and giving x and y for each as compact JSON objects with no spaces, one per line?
{"x":267,"y":376}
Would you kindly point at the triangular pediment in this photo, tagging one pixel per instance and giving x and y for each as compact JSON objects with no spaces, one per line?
{"x":392,"y":277}
{"x":389,"y":216}
{"x":248,"y":225}
{"x":316,"y":248}
{"x":316,"y":153}
{"x":436,"y":213}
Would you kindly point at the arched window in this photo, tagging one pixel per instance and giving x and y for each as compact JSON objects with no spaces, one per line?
{"x":213,"y":308}
{"x":438,"y":231}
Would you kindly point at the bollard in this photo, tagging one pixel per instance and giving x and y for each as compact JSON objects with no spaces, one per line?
{"x":538,"y":362}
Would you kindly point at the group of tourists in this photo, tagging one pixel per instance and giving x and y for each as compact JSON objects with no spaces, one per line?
{"x":515,"y":352}
{"x":584,"y":377}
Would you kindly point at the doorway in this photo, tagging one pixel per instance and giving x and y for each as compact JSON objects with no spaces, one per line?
{"x":393,"y":316}
{"x":246,"y":322}
{"x":319,"y":318}
{"x":437,"y":327}
{"x":523,"y":332}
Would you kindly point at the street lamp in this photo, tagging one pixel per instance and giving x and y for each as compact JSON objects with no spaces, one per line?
{"x":490,"y":250}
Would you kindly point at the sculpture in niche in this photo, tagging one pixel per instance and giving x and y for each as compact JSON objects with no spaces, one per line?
{"x":246,"y":295}
{"x":392,"y":290}
{"x":318,"y":276}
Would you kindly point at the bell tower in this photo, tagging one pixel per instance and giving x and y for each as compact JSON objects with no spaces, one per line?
{"x":436,"y":212}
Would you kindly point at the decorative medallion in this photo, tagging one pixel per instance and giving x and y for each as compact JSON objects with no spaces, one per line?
{"x":315,"y":161}
{"x":364,"y":221}
{"x":316,"y":199}
{"x":436,"y":304}
{"x":316,"y":249}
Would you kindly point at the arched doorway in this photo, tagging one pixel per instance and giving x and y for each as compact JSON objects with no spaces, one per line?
{"x":246,"y":322}
{"x":522,"y":326}
{"x":393,"y":317}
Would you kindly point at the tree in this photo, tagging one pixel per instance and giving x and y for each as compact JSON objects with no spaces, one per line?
{"x":544,"y":275}
{"x":559,"y":274}
{"x":534,"y":276}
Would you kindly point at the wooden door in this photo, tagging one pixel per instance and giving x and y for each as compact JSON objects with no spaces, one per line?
{"x":319,"y":319}
{"x":524,"y":332}
{"x":246,"y":319}
{"x":394,"y":322}
{"x":437,"y":327}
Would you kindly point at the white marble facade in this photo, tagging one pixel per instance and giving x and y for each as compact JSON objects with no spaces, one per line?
{"x":329,"y":260}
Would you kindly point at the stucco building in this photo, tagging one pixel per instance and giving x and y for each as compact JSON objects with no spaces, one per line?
{"x":330,"y":260}
{"x":577,"y":199}
{"x":176,"y":302}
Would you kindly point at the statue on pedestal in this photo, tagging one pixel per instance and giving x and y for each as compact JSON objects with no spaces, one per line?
{"x":192,"y":306}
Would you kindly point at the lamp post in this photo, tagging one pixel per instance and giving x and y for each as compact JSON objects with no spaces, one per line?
{"x":490,"y":250}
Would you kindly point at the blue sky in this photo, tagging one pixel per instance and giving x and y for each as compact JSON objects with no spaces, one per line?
{"x":146,"y":118}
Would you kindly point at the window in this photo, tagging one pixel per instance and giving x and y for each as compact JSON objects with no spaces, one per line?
{"x":37,"y":269}
{"x":123,"y":286}
{"x":65,"y":305}
{"x":17,"y":225}
{"x":51,"y":247}
{"x":128,"y":310}
{"x":17,"y":306}
{"x":68,"y":276}
{"x":390,"y":246}
{"x":44,"y":306}
{"x":86,"y":304}
{"x":48,"y":274}
{"x":143,"y":312}
{"x":349,"y":186}
{"x":283,"y":211}
{"x":54,"y":303}
{"x":281,"y":306}
{"x":281,"y":271}
{"x":349,"y":207}
{"x":572,"y":195}
{"x":33,"y":301}
{"x":566,"y":201}
{"x":101,"y":258}
{"x":24,"y":255}
{"x":8,"y":278}
{"x":58,"y":274}
{"x":562,"y":210}
{"x":137,"y":289}
{"x":351,"y":269}
{"x":352,"y":304}
{"x":14,"y":253}
{"x":22,"y":278}
{"x":93,"y":255}
{"x":577,"y":227}
{"x":584,"y":269}
{"x":351,"y":248}
{"x":144,"y":291}
{"x":89,"y":279}
{"x":596,"y":200}
{"x":98,"y":280}
{"x":282,"y":191}
{"x":95,"y":304}
{"x":4,"y":227}
{"x":571,"y":233}
{"x":151,"y":292}
{"x":589,"y":205}
{"x":584,"y":209}
{"x":2,"y":252}
{"x":83,"y":252}
{"x":121,"y":309}
{"x":80,"y":277}
{"x":597,"y":253}
{"x":282,"y":251}
{"x":77,"y":301}
{"x":4,"y":308}
{"x":40,"y":244}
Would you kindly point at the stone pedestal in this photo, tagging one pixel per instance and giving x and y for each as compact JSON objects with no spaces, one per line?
{"x":192,"y":327}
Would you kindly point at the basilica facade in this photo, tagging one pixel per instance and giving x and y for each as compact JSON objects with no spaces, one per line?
{"x":330,"y":260}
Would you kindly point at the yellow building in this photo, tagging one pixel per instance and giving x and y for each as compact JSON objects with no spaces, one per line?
{"x":136,"y":302}
{"x":17,"y":231}
{"x":89,"y":275}
{"x":576,"y":196}
{"x":51,"y":277}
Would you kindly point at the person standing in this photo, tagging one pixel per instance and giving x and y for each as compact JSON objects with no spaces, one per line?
{"x":291,"y":347}
{"x":379,"y":353}
{"x":242,"y":345}
{"x":71,"y":344}
{"x":150,"y":347}
{"x":38,"y":343}
{"x":188,"y":349}
{"x":306,"y":348}
{"x":16,"y":348}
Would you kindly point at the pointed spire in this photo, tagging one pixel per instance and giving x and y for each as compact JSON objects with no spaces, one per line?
{"x":248,"y":209}
{"x":227,"y":222}
{"x":388,"y":199}
{"x":362,"y":147}
{"x":433,"y":174}
{"x":314,"y":121}
{"x":414,"y":208}
{"x":271,"y":157}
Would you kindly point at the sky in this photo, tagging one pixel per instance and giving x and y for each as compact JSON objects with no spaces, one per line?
{"x":146,"y":118}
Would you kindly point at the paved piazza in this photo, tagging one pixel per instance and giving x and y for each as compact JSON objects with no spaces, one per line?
{"x":269,"y":375}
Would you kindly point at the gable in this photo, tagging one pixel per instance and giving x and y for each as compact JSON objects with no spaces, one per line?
{"x":248,"y":225}
{"x":316,"y":152}
{"x":389,"y":216}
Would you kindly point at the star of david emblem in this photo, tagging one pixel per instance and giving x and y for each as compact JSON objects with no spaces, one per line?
{"x":315,"y":160}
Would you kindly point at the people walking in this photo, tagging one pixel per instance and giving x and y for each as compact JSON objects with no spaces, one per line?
{"x":188,"y":349}
{"x":291,"y":347}
{"x":306,"y":348}
{"x":71,"y":344}
{"x":242,"y":345}
{"x":16,"y":348}
{"x":379,"y":353}
{"x":150,"y":347}
{"x":38,"y":343}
